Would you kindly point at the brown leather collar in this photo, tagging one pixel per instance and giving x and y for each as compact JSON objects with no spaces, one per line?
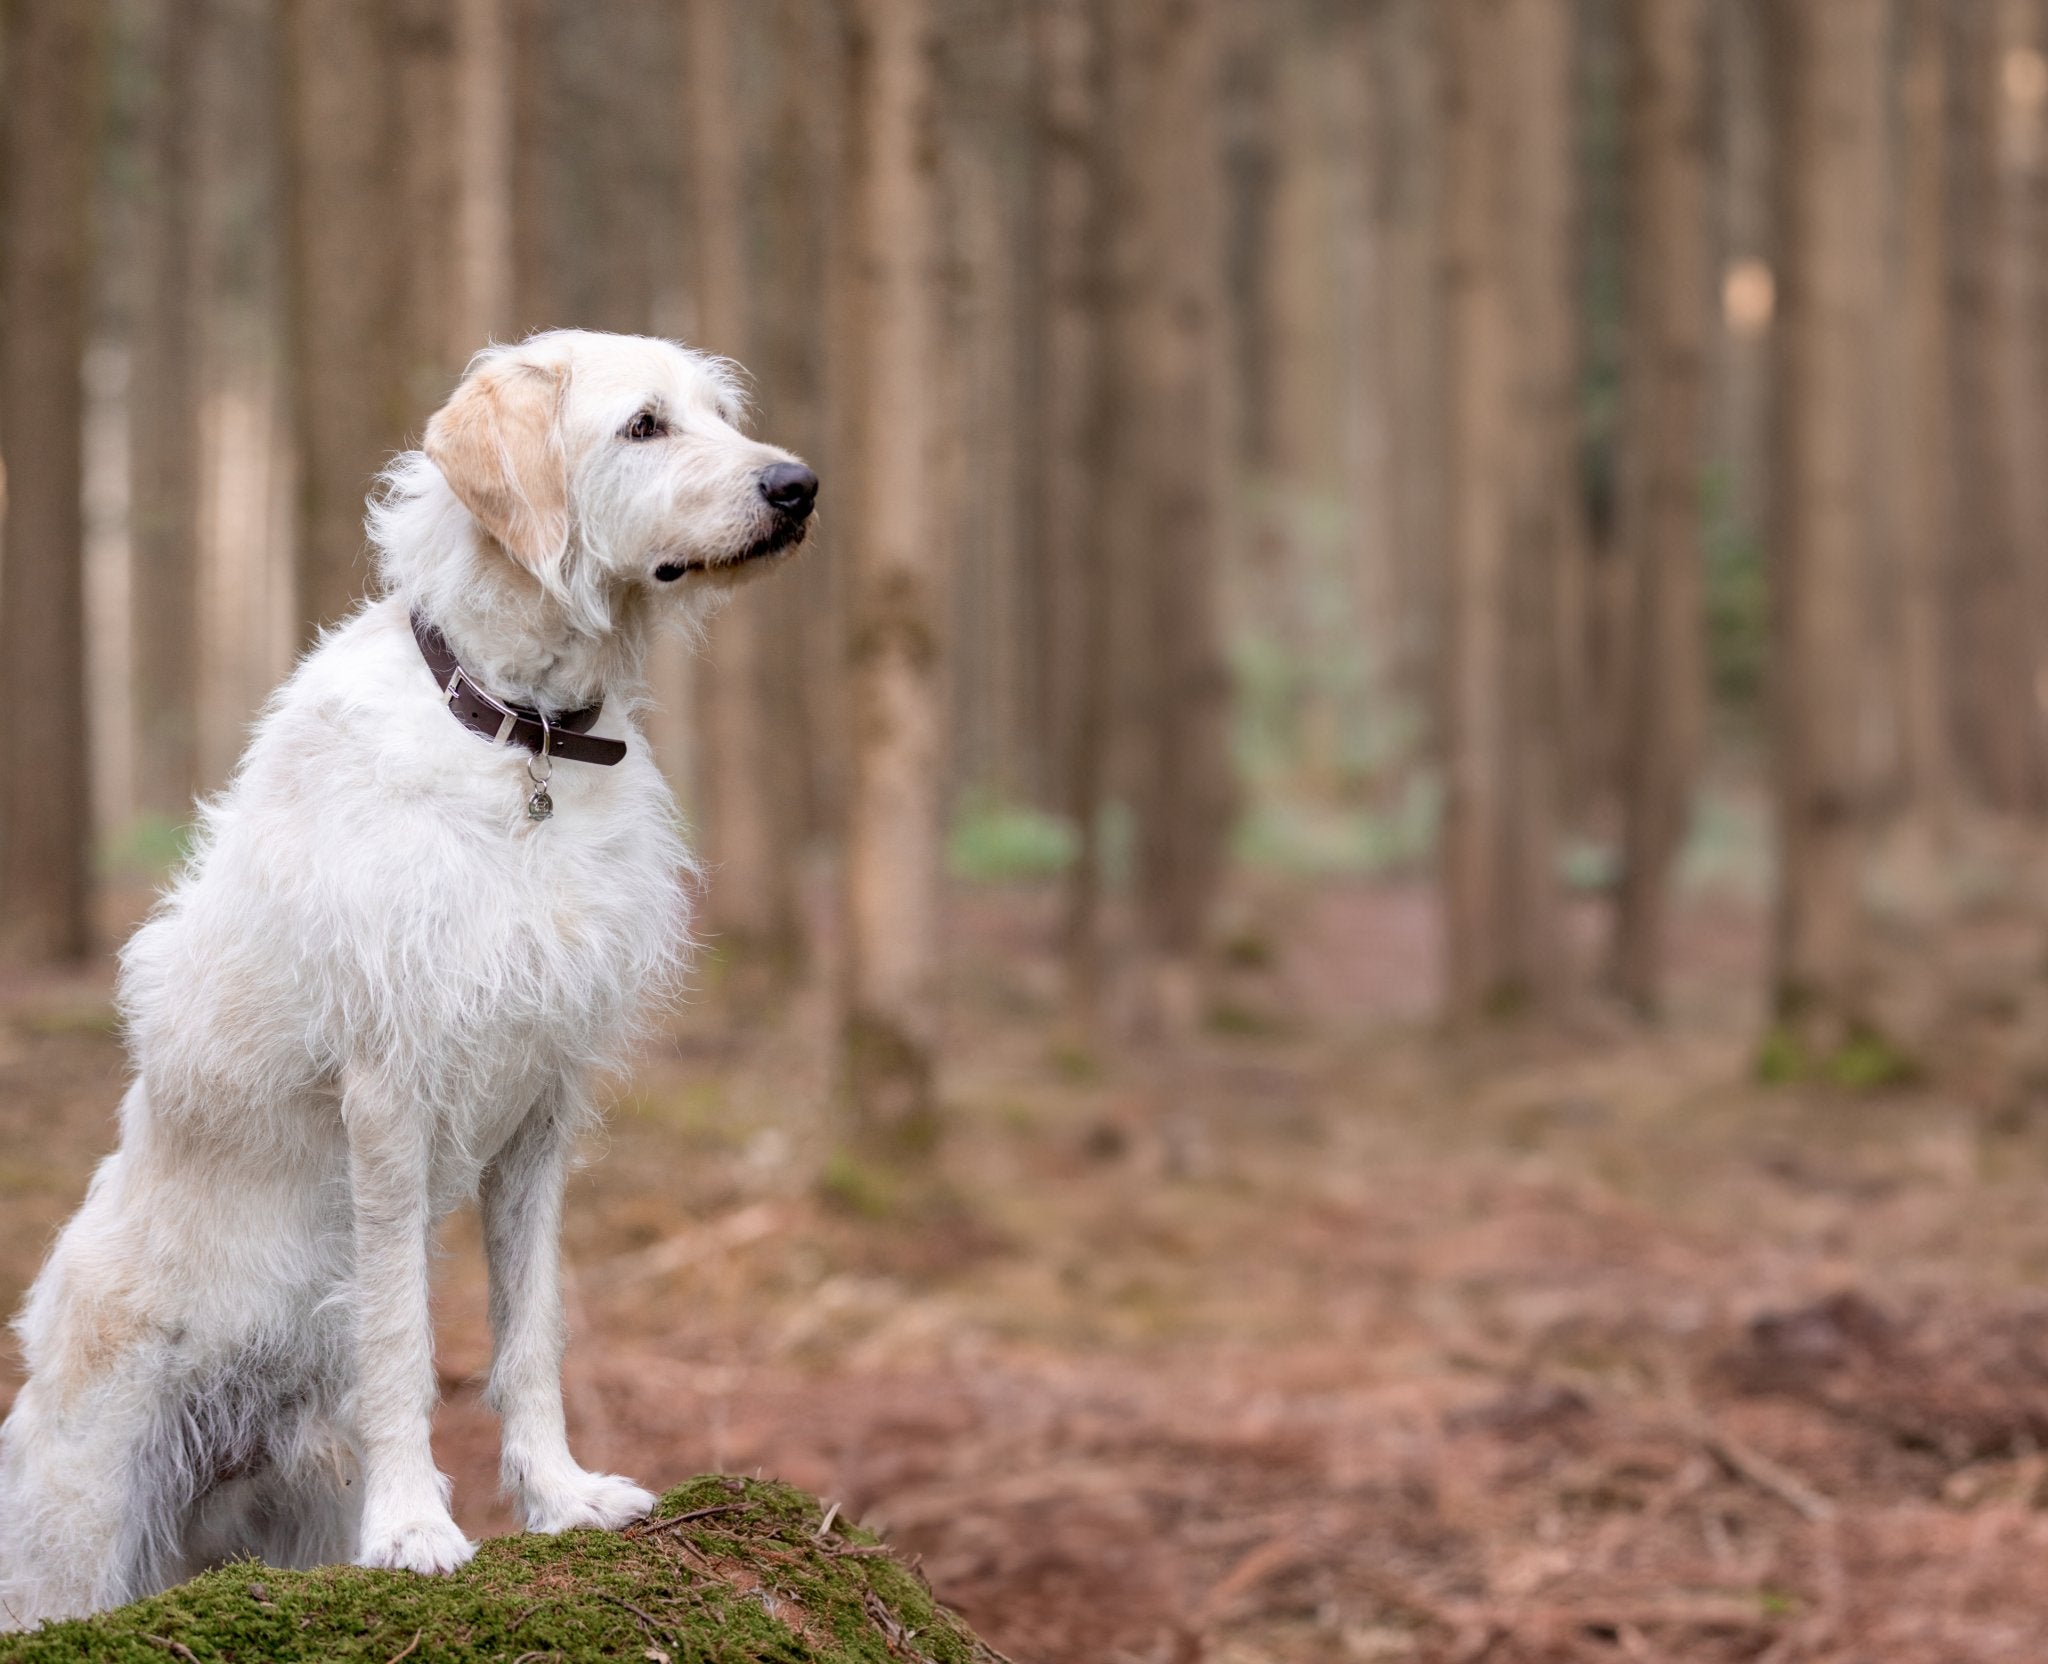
{"x":566,"y":736}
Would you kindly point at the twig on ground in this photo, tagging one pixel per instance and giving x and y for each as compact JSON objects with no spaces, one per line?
{"x":177,"y":1649}
{"x":630,"y":1607}
{"x":647,"y":1528}
{"x":1272,"y":1556}
{"x":1740,"y":1460}
{"x":408,"y":1648}
{"x":1759,"y":1469}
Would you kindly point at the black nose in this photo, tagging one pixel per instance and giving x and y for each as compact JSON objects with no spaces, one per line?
{"x":790,"y":487}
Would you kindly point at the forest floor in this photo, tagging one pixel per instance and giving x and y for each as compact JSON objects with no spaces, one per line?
{"x":1330,"y":1338}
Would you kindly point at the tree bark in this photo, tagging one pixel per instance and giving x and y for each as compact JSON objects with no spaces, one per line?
{"x":1662,"y":400}
{"x":536,"y":288}
{"x":1830,"y":63}
{"x":424,"y":67}
{"x":1407,"y":65}
{"x":1747,"y":256}
{"x":1073,"y":558}
{"x":1169,"y":446}
{"x":1999,"y":733}
{"x":889,"y":995}
{"x":751,"y":902}
{"x":165,"y":448}
{"x":1506,"y":70}
{"x":1922,"y":463}
{"x":49,"y":118}
{"x":348,"y":275}
{"x":482,"y":310}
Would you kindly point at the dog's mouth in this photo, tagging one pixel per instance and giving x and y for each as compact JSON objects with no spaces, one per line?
{"x":785,"y":534}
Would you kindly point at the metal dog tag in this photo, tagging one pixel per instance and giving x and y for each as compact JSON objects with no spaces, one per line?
{"x":540,"y":769}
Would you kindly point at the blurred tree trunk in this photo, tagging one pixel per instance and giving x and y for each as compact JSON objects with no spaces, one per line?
{"x":898,"y":605}
{"x":1548,"y":575}
{"x":536,"y":183}
{"x":786,"y":338}
{"x":482,"y":102}
{"x":1830,"y":63}
{"x":348,"y":276}
{"x":49,"y":125}
{"x":788,"y":341}
{"x":1663,"y":363}
{"x":1073,"y":558}
{"x":429,"y":145}
{"x":745,"y":830}
{"x":1508,"y":529}
{"x":1551,"y":581}
{"x":165,"y":448}
{"x":1406,"y":59}
{"x":1747,"y":257}
{"x":1997,"y":421}
{"x":983,"y":103}
{"x":1922,"y":464}
{"x":1166,"y":513}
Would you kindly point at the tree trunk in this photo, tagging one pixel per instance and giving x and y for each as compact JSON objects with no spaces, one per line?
{"x":348,"y":278}
{"x":1998,"y":723}
{"x":1663,"y":360}
{"x":1830,"y":62}
{"x":1921,"y":467}
{"x":536,"y":183}
{"x":1747,"y":259}
{"x":482,"y":305}
{"x":423,"y":67}
{"x":164,"y":447}
{"x":49,"y":118}
{"x":1166,"y":514}
{"x":750,"y":903}
{"x":1073,"y":557}
{"x":898,"y":604}
{"x":1407,"y":64}
{"x":1552,"y":581}
{"x":1507,"y":531}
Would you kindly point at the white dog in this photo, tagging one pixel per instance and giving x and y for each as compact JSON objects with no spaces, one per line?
{"x":378,"y":991}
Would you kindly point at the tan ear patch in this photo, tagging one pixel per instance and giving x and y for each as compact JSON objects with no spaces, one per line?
{"x":498,"y":443}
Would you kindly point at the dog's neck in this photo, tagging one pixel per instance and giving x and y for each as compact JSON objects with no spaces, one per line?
{"x":524,"y":643}
{"x":525,"y":646}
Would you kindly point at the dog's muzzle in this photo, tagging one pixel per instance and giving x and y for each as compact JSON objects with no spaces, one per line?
{"x":791,"y":491}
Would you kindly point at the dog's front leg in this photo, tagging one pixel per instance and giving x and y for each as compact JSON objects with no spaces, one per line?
{"x":522,"y":1218}
{"x":406,"y":1523}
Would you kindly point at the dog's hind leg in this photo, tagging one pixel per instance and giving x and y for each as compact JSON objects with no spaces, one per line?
{"x":292,"y":1513}
{"x":307,"y":1509}
{"x":92,"y":1501}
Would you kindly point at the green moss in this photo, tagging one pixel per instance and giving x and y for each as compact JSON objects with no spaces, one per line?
{"x":729,"y":1571}
{"x":1865,"y":1061}
{"x":857,"y":1188}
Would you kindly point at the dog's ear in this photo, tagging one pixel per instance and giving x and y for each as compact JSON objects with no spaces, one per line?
{"x":498,"y":443}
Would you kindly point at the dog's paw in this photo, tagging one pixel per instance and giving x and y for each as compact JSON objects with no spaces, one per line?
{"x":419,"y":1545}
{"x":602,"y":1500}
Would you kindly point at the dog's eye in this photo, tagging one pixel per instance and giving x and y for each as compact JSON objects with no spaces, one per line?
{"x":646,"y":425}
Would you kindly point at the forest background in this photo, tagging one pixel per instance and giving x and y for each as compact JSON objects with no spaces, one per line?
{"x":1376,"y":975}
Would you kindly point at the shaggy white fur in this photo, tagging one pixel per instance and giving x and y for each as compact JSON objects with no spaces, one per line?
{"x":377,"y":991}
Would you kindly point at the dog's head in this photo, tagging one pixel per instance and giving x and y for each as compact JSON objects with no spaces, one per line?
{"x":600,"y":463}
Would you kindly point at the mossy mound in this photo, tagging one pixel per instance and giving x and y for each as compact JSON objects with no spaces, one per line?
{"x":728,"y":1571}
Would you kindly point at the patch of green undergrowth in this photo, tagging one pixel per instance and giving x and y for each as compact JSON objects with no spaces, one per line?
{"x":1865,"y":1061}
